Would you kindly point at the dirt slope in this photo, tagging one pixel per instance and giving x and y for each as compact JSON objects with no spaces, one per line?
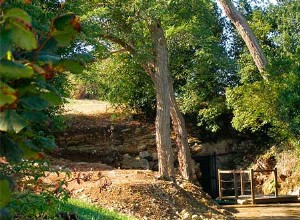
{"x":136,"y":193}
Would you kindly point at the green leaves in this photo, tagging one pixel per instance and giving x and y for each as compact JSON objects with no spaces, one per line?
{"x":45,"y":143}
{"x":18,"y":14}
{"x":25,"y":92}
{"x":14,"y":70}
{"x":18,"y":22}
{"x":34,"y":103}
{"x":7,"y":94}
{"x":65,"y":28}
{"x":23,"y":37}
{"x":72,"y":65}
{"x":9,"y":149}
{"x":10,"y":121}
{"x":5,"y":42}
{"x":4,"y":193}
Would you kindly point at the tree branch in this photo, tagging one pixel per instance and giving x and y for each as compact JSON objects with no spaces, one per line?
{"x":119,"y":41}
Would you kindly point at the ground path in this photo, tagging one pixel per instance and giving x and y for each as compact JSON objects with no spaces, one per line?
{"x":86,"y":107}
{"x":289,"y":211}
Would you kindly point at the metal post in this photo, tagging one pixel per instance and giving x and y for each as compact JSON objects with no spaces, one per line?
{"x":242,"y":182}
{"x":235,"y":185}
{"x":252,"y":186}
{"x":220,"y":184}
{"x":276,"y":184}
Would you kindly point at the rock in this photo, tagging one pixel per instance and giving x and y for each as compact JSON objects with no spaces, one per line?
{"x":134,"y":163}
{"x":144,"y":154}
{"x":126,"y":156}
{"x":125,"y":130}
{"x":154,"y":156}
{"x":185,"y":215}
{"x":153,"y":165}
{"x":142,"y":147}
{"x":295,"y":192}
{"x":196,"y":148}
{"x":196,"y":217}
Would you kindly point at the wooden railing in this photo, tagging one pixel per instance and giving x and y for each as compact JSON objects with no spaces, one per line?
{"x":239,"y":182}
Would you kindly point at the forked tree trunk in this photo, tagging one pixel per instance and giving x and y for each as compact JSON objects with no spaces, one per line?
{"x":247,"y":34}
{"x":162,"y":123}
{"x":184,"y":155}
{"x":166,"y":104}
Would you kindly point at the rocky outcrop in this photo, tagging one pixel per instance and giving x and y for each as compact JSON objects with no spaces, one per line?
{"x":129,"y":147}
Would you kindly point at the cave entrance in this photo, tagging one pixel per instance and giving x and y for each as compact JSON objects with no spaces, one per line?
{"x":208,"y":179}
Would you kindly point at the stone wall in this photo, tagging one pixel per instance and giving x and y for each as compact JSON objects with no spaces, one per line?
{"x":130,"y":146}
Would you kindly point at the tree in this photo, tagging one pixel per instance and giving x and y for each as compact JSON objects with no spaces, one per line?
{"x":247,"y":34}
{"x":127,"y":26}
{"x":161,"y":83}
{"x":271,"y":104}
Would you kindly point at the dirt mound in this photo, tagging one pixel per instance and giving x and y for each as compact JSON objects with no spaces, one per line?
{"x":137,"y":193}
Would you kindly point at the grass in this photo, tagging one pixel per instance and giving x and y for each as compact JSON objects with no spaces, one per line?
{"x":87,"y":211}
{"x":33,"y":206}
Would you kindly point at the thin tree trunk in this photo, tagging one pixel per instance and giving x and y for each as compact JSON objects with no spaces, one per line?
{"x":247,"y":34}
{"x":184,"y":154}
{"x":162,"y":123}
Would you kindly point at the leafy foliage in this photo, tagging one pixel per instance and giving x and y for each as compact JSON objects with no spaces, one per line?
{"x":256,"y":103}
{"x":199,"y":64}
{"x":24,"y":82}
{"x":120,"y":80}
{"x":25,"y":91}
{"x":26,"y":177}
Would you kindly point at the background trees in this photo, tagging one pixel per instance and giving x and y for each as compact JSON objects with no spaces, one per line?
{"x":257,"y":103}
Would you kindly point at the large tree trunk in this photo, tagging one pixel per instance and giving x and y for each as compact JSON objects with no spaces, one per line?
{"x":162,"y":123}
{"x":184,"y":154}
{"x":247,"y":34}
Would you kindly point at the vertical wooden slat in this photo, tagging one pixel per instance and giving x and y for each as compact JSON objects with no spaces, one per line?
{"x":242,"y":183}
{"x":276,"y":184}
{"x":235,"y":185}
{"x":252,"y":186}
{"x":220,"y":184}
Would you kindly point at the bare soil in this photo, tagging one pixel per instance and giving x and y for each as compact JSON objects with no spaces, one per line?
{"x":137,"y":193}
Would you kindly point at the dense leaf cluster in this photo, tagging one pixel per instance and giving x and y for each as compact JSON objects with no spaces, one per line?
{"x":26,"y":65}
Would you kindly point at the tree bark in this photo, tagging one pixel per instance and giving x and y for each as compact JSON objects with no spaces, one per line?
{"x":184,"y":154}
{"x":247,"y":34}
{"x":162,"y":123}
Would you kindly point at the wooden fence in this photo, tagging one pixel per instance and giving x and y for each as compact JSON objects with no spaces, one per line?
{"x":239,"y":182}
